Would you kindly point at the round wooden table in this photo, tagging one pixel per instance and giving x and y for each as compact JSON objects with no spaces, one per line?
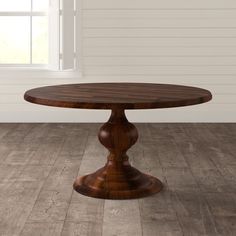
{"x":118,"y":179}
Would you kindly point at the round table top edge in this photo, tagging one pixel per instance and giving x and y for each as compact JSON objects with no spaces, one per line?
{"x":110,"y":106}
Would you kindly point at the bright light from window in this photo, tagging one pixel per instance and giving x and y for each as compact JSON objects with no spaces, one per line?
{"x":40,"y":40}
{"x":40,"y":5}
{"x":18,"y":43}
{"x":14,"y":39}
{"x":15,"y":5}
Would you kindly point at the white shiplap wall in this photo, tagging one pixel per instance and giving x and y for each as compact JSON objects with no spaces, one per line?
{"x":173,"y":41}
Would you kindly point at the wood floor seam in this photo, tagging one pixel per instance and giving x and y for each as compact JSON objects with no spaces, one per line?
{"x":63,"y":225}
{"x":196,"y":163}
{"x":36,"y":199}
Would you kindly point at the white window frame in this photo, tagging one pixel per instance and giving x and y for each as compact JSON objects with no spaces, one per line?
{"x":57,"y":67}
{"x":30,"y":14}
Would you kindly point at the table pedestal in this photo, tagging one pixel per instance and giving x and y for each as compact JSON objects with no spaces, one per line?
{"x":117,"y":179}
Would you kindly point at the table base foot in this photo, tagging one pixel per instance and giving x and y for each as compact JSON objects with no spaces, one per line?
{"x":119,"y":182}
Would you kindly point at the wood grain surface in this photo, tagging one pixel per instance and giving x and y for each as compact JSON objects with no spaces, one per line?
{"x":122,"y":95}
{"x":118,"y":179}
{"x":31,"y":202}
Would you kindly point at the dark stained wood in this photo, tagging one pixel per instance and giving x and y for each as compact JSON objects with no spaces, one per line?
{"x":123,"y":95}
{"x":118,"y":179}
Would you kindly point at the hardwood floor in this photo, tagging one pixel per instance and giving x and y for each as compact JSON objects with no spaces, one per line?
{"x":39,"y":163}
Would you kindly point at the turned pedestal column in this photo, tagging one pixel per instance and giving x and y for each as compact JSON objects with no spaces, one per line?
{"x":117,"y":179}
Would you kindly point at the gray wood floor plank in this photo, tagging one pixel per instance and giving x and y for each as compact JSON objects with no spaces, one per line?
{"x":54,"y":199}
{"x":75,"y":142}
{"x":42,"y":229}
{"x":38,"y":133}
{"x":9,"y":173}
{"x":95,"y":156}
{"x":56,"y":131}
{"x":212,"y":181}
{"x":169,"y":154}
{"x":223,"y":133}
{"x":4,"y":152}
{"x":229,"y":174}
{"x":194,"y":214}
{"x":50,"y":206}
{"x":62,"y":176}
{"x":63,"y":173}
{"x":226,"y":225}
{"x":221,"y":152}
{"x":221,"y":155}
{"x":222,"y":204}
{"x":85,"y":215}
{"x":73,"y":148}
{"x":80,"y":228}
{"x":50,"y":144}
{"x":16,"y":202}
{"x":17,"y":134}
{"x":19,"y":156}
{"x":121,"y":218}
{"x":6,"y":128}
{"x":157,"y":214}
{"x":181,"y":179}
{"x":47,"y":154}
{"x":193,"y":152}
{"x":196,"y":163}
{"x":34,"y":173}
{"x":199,"y":157}
{"x":196,"y":157}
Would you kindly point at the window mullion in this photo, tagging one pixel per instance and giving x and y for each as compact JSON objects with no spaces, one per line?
{"x":54,"y":35}
{"x":28,"y":13}
{"x":31,"y":34}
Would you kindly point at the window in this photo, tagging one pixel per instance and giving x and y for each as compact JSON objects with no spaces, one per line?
{"x":37,"y":33}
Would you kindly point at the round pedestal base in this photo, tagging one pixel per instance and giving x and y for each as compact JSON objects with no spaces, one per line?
{"x":119,"y":182}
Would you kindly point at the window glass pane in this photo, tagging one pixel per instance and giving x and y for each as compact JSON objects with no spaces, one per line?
{"x":40,"y":40}
{"x":14,"y":39}
{"x":15,"y":5}
{"x":40,"y":5}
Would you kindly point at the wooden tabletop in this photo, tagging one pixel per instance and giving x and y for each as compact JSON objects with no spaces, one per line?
{"x":113,"y":95}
